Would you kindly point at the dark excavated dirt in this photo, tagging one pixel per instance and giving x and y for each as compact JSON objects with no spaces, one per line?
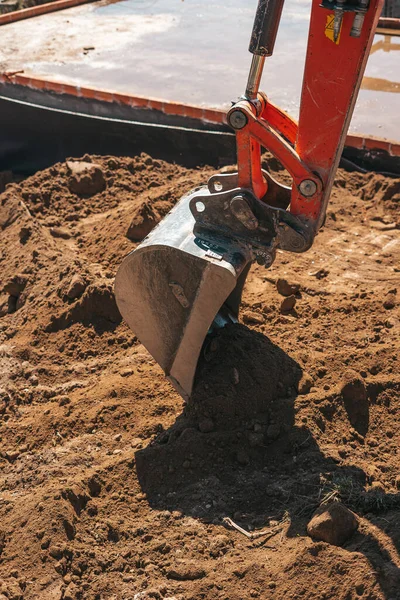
{"x":111,"y":488}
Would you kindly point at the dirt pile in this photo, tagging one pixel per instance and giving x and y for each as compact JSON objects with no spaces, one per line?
{"x":111,"y":488}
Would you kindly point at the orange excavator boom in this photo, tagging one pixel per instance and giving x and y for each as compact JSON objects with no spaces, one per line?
{"x":186,"y":278}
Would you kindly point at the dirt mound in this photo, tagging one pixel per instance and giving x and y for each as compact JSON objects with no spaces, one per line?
{"x":111,"y":488}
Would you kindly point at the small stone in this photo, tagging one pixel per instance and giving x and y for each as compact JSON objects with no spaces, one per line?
{"x":118,"y":437}
{"x":285,"y":288}
{"x":64,"y":400}
{"x":60,"y":232}
{"x":56,"y":552}
{"x":305,"y":384}
{"x":333,"y":523}
{"x":389,"y":323}
{"x":288,"y":304}
{"x":397,"y":482}
{"x":186,"y":573}
{"x":390,"y":301}
{"x":273,"y":431}
{"x":252,"y":317}
{"x":354,"y":389}
{"x":235,"y":376}
{"x":25,"y":233}
{"x":76,"y":287}
{"x":206,"y":426}
{"x":321,"y":273}
{"x":374,"y":369}
{"x":126,"y":372}
{"x":94,"y":485}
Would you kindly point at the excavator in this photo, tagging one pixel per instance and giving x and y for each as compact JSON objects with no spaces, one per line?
{"x":185,"y":279}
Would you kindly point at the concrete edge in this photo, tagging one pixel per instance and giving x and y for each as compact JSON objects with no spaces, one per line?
{"x":42,"y":9}
{"x":170,"y":108}
{"x":216,"y":116}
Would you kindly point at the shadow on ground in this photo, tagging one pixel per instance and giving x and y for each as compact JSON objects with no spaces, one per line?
{"x":241,"y":449}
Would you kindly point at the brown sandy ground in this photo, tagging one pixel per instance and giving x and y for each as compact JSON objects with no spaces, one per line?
{"x":111,"y":489}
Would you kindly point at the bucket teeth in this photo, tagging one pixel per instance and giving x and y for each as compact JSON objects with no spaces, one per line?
{"x":170,"y":289}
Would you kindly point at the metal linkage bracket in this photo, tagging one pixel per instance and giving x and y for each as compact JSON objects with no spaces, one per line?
{"x":236,"y":214}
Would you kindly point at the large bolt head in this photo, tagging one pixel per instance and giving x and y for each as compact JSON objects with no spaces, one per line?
{"x":307,"y":188}
{"x":237,"y":119}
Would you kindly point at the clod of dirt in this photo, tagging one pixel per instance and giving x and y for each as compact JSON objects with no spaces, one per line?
{"x":354,"y":389}
{"x":97,"y":303}
{"x":285,"y":288}
{"x":251,"y":317}
{"x":94,"y":485}
{"x":86,"y":179}
{"x":333,"y":523}
{"x":354,"y":393}
{"x":390,"y":301}
{"x":186,"y":572}
{"x":25,"y":233}
{"x":288,"y":304}
{"x":16,"y":285}
{"x":142,"y":223}
{"x":76,"y":287}
{"x":60,"y":232}
{"x":305,"y":384}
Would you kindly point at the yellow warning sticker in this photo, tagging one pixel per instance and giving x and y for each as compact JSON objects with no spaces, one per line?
{"x":330,"y":19}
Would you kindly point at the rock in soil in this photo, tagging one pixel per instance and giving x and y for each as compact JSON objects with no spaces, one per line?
{"x":305,"y":384}
{"x":288,"y":304}
{"x":142,"y":223}
{"x":86,"y":179}
{"x":390,"y":301}
{"x":354,"y":393}
{"x":16,"y":285}
{"x":76,"y":287}
{"x":186,"y":573}
{"x":285,"y":288}
{"x":333,"y":523}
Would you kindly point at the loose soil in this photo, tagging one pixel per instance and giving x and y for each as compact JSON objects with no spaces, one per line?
{"x":111,"y":488}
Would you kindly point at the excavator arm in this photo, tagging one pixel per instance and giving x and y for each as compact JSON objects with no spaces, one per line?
{"x":339,"y":42}
{"x":186,"y":278}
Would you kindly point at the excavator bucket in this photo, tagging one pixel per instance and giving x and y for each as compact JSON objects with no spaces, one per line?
{"x":174,"y":289}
